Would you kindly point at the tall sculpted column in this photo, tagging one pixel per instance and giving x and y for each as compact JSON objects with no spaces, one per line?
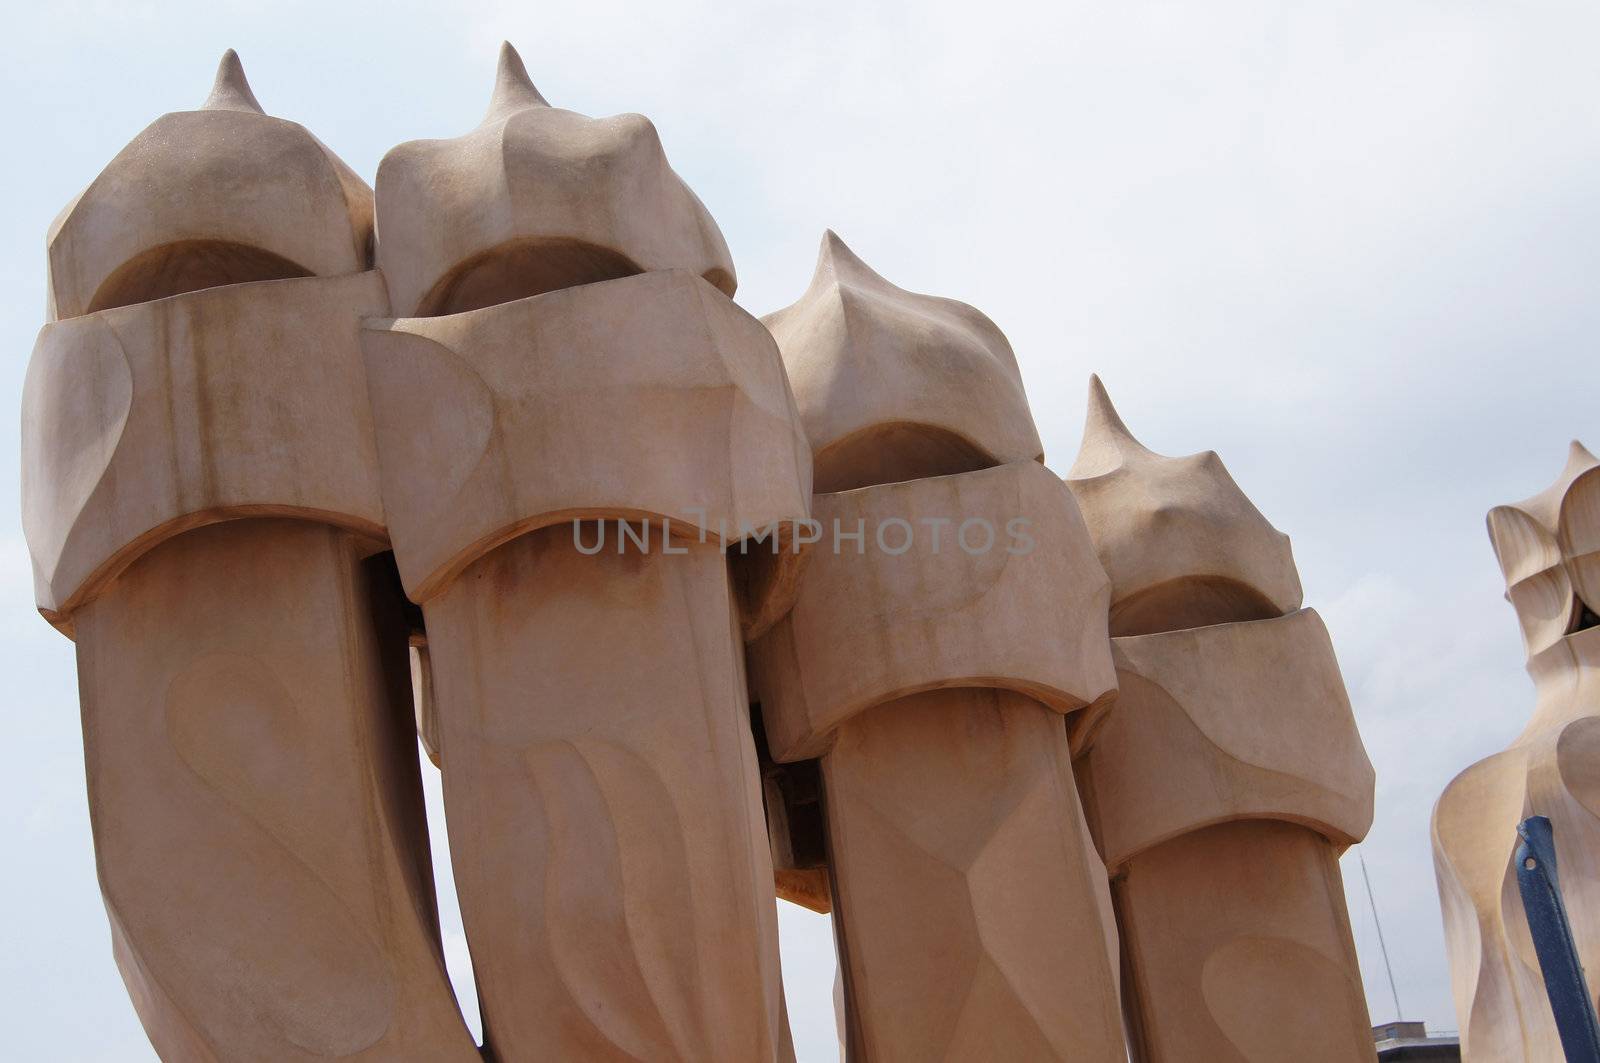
{"x":1549,"y":551}
{"x":200,"y":496}
{"x":568,"y":352}
{"x":1230,"y":775}
{"x":951,"y":614}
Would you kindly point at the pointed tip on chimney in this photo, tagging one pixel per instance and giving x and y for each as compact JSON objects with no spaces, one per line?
{"x":513,"y":89}
{"x":1106,"y":439}
{"x":231,"y":89}
{"x":836,"y":260}
{"x":1103,"y":417}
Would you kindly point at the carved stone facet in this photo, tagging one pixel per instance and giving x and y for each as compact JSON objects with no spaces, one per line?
{"x":951,"y":612}
{"x":1245,"y":721}
{"x":605,"y":822}
{"x":201,"y":497}
{"x":1182,"y":544}
{"x":652,"y":397}
{"x":1229,"y":775}
{"x":1545,"y":546}
{"x":919,"y":602}
{"x":535,"y":199}
{"x":144,"y":420}
{"x":894,"y":385}
{"x":219,"y":195}
{"x":970,"y":929}
{"x":574,"y":421}
{"x":258,"y":818}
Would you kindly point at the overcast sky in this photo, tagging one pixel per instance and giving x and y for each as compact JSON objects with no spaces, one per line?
{"x":1351,"y":247}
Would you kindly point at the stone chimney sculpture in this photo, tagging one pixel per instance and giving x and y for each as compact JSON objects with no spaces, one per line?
{"x":567,"y":351}
{"x":201,"y":498}
{"x":1229,"y":776}
{"x":691,"y":610}
{"x":952,"y":615}
{"x":1549,"y":552}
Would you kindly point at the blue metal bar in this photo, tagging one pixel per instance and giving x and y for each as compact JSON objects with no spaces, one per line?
{"x":1552,"y":940}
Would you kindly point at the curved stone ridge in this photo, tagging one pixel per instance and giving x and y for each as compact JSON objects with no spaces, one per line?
{"x":1550,"y":770}
{"x":503,"y":420}
{"x":928,"y":669}
{"x":568,"y":357}
{"x":1578,"y":533}
{"x":604,"y":808}
{"x":1246,"y":721}
{"x":534,"y":199}
{"x":1182,"y":544}
{"x":1231,"y":733}
{"x":202,"y":198}
{"x":1020,"y":611}
{"x":1545,"y":546}
{"x":246,"y":754}
{"x":957,"y":867}
{"x":201,"y":500}
{"x":142,"y":421}
{"x":893,"y":384}
{"x":1239,"y":932}
{"x":1528,"y":538}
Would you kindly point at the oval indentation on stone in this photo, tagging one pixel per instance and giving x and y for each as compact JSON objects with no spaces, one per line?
{"x":1276,"y":999}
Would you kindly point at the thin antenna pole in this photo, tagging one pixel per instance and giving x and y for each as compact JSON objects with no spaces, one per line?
{"x":1398,"y":1014}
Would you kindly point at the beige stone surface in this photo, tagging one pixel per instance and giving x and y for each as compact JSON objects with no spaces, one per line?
{"x":1549,"y":770}
{"x":218,"y":195}
{"x":1182,"y":544}
{"x":1527,"y":540}
{"x":650,"y":397}
{"x":201,"y":500}
{"x":894,"y":385}
{"x":536,"y":198}
{"x":968,"y":912}
{"x":1236,"y":721}
{"x":570,"y":364}
{"x":141,"y":421}
{"x":1227,"y":765}
{"x":1229,"y":775}
{"x":1026,"y":614}
{"x":1238,"y":948}
{"x":929,"y":668}
{"x":605,"y":816}
{"x":257,"y":811}
{"x":1578,"y":531}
